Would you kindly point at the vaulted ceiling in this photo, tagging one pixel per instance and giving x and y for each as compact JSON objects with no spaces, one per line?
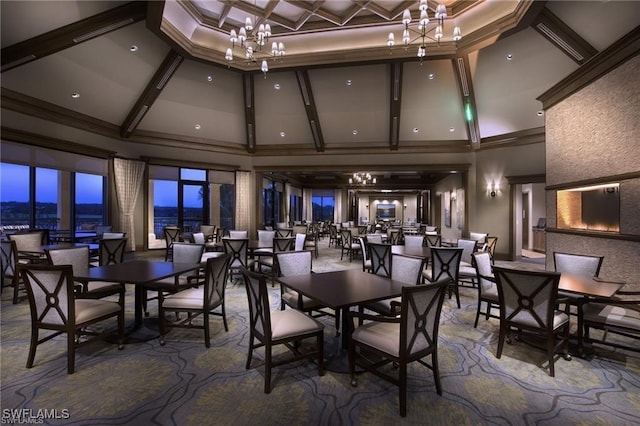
{"x":155,"y":74}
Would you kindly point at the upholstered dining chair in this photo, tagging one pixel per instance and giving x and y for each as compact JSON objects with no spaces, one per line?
{"x":434,"y":240}
{"x":113,"y":235}
{"x":171,"y":235}
{"x":349,"y":246}
{"x":366,"y":258}
{"x":111,"y":251}
{"x":580,"y":264}
{"x":279,"y":245}
{"x":300,"y":263}
{"x":467,"y":272}
{"x":487,"y":289}
{"x":445,"y":263}
{"x":528,"y":304}
{"x":409,"y":337}
{"x":239,"y":251}
{"x":380,"y":259}
{"x":284,"y":327}
{"x":54,"y":307}
{"x":373,"y":238}
{"x":27,"y":246}
{"x":490,"y":247}
{"x":414,"y":240}
{"x":9,"y":264}
{"x":199,"y":301}
{"x":284,"y":232}
{"x":299,"y":243}
{"x":265,"y":237}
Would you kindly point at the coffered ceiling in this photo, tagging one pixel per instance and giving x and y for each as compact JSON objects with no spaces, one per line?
{"x":154,"y":74}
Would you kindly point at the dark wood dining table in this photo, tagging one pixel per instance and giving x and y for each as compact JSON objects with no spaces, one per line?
{"x":58,"y":246}
{"x":423,"y":252}
{"x":142,"y":274}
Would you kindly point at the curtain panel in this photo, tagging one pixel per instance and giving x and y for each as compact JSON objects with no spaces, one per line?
{"x":128,"y":179}
{"x":307,"y":204}
{"x":243,"y":200}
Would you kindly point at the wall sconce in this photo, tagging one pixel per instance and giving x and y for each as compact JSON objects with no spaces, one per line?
{"x":493,"y":193}
{"x":405,"y":206}
{"x":492,"y":189}
{"x":453,"y":195}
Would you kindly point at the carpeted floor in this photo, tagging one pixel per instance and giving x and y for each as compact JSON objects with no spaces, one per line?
{"x":184,"y":383}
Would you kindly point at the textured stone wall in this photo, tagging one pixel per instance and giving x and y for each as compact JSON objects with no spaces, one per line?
{"x":593,"y":134}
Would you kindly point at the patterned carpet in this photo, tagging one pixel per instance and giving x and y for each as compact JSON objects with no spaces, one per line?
{"x":183,"y":383}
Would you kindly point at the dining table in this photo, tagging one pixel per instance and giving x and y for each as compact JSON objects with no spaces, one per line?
{"x":423,"y":252}
{"x":142,"y":274}
{"x":341,"y":290}
{"x":40,"y":250}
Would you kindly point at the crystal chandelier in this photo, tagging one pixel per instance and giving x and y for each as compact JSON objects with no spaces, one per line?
{"x":361,"y":178}
{"x":253,"y":43}
{"x":424,"y":32}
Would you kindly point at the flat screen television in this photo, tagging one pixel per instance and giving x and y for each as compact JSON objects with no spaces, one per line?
{"x":386,"y":211}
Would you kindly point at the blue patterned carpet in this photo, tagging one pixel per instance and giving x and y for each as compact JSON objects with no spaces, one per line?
{"x":184,"y":383}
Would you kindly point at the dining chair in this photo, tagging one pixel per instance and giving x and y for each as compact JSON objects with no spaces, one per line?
{"x":408,"y":337}
{"x":467,"y":271}
{"x":235,"y":234}
{"x":54,"y":307}
{"x":279,"y":245}
{"x":311,"y":242}
{"x":334,"y":237}
{"x":284,"y":232}
{"x":300,"y":229}
{"x":366,"y":258}
{"x":299,"y":242}
{"x":393,"y":236}
{"x":527,"y":302}
{"x":209,"y":232}
{"x":238,"y":249}
{"x":9,"y":264}
{"x":78,"y":258}
{"x":348,"y":245}
{"x":198,"y":301}
{"x":434,"y":240}
{"x":406,"y":269}
{"x":373,"y":238}
{"x":171,"y":235}
{"x":445,"y":263}
{"x":28,"y":245}
{"x":182,"y":253}
{"x":414,"y":240}
{"x":580,"y":264}
{"x":269,"y":328}
{"x":111,"y":251}
{"x":487,"y":288}
{"x":490,"y":246}
{"x":265,"y":238}
{"x":112,"y":235}
{"x":300,"y":263}
{"x":380,"y":259}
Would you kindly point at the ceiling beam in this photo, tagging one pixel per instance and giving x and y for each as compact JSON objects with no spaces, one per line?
{"x":563,"y":37}
{"x":249,"y":93}
{"x":395,"y":105}
{"x":151,"y":93}
{"x":310,"y":107}
{"x":71,"y":35}
{"x":462,"y":71}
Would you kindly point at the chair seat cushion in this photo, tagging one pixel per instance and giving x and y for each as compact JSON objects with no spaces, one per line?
{"x":90,"y":309}
{"x":559,"y":319}
{"x":384,"y":336}
{"x":467,"y":271}
{"x":490,"y":293}
{"x":292,"y":322}
{"x":367,"y":264}
{"x":266,"y":261}
{"x":465,"y":264}
{"x":619,"y":316}
{"x":290,"y":297}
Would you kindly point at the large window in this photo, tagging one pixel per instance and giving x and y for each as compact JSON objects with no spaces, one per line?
{"x":323,"y":206}
{"x":14,"y":195}
{"x":89,"y":201}
{"x":47,"y":202}
{"x":295,"y":208}
{"x":272,"y":196}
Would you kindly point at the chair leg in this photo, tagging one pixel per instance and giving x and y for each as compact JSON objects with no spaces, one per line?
{"x":267,"y":368}
{"x":550,"y":354}
{"x":224,"y":318}
{"x":402,"y":385}
{"x":475,"y":324}
{"x":337,"y":315}
{"x":320,"y":346}
{"x":436,"y":371}
{"x":32,"y":346}
{"x":250,"y":354}
{"x":207,"y":340}
{"x":71,"y":353}
{"x":500,"y":340}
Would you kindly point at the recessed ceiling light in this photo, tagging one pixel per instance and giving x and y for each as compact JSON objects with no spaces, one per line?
{"x":133,"y":48}
{"x":416,"y":130}
{"x":209,"y":78}
{"x":75,"y":95}
{"x":509,"y":57}
{"x":349,"y":82}
{"x":276,"y":86}
{"x":432,"y":76}
{"x":451,"y":129}
{"x":283,"y":134}
{"x":197,"y":127}
{"x":540,"y":113}
{"x":354,"y":131}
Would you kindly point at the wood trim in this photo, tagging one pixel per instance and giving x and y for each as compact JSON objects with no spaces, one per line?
{"x":28,"y":138}
{"x":462,"y":71}
{"x":395,"y":106}
{"x":159,"y":161}
{"x":453,"y":167}
{"x":595,"y":234}
{"x":248,"y":92}
{"x":594,"y":181}
{"x":521,"y":137}
{"x":515,"y":180}
{"x":309,"y":102}
{"x":604,"y":62}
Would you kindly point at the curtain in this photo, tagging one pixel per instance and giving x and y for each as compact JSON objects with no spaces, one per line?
{"x":128,"y":178}
{"x":307,"y":204}
{"x":243,"y":200}
{"x":337,"y":209}
{"x":287,"y":202}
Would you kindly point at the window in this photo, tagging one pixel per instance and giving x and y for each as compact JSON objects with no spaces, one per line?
{"x":89,"y":204}
{"x":323,"y":207}
{"x":272,"y":198}
{"x":14,"y":195}
{"x":47,"y":199}
{"x":165,"y":204}
{"x":295,"y":208}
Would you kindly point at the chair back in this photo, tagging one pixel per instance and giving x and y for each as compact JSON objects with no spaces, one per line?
{"x":8,"y":259}
{"x":234,"y":235}
{"x":393,"y":236}
{"x":364,"y":249}
{"x":420,"y":318}
{"x":479,"y":237}
{"x":445,"y":263}
{"x":362,"y":230}
{"x":208,"y":231}
{"x":414,"y":240}
{"x":238,"y":249}
{"x":101,"y":229}
{"x":284,"y":233}
{"x":299,"y":243}
{"x":490,"y":244}
{"x":27,"y":241}
{"x":281,"y":225}
{"x":111,"y":251}
{"x":110,"y":235}
{"x":527,"y":298}
{"x":259,"y":308}
{"x":374,"y":238}
{"x":299,"y":229}
{"x":187,"y":253}
{"x":484,"y":272}
{"x":282,"y":244}
{"x":77,"y":257}
{"x":380,"y":259}
{"x":266,"y":237}
{"x":407,"y":269}
{"x":171,"y":234}
{"x":294,"y":263}
{"x":468,"y":248}
{"x":577,"y":263}
{"x":50,"y":289}
{"x":215,"y":279}
{"x":198,"y":237}
{"x":433,"y":240}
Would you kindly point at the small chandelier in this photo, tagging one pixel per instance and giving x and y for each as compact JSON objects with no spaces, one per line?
{"x":423,"y":32}
{"x":253,"y":44}
{"x":360,"y":178}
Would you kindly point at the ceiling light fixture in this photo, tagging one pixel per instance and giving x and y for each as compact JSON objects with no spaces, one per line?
{"x":423,"y":32}
{"x":361,"y":178}
{"x":252,"y":42}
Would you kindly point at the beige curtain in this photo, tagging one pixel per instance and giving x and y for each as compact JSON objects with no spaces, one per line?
{"x":128,"y":179}
{"x":307,"y":204}
{"x":243,"y":200}
{"x":287,"y":201}
{"x":337,"y":208}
